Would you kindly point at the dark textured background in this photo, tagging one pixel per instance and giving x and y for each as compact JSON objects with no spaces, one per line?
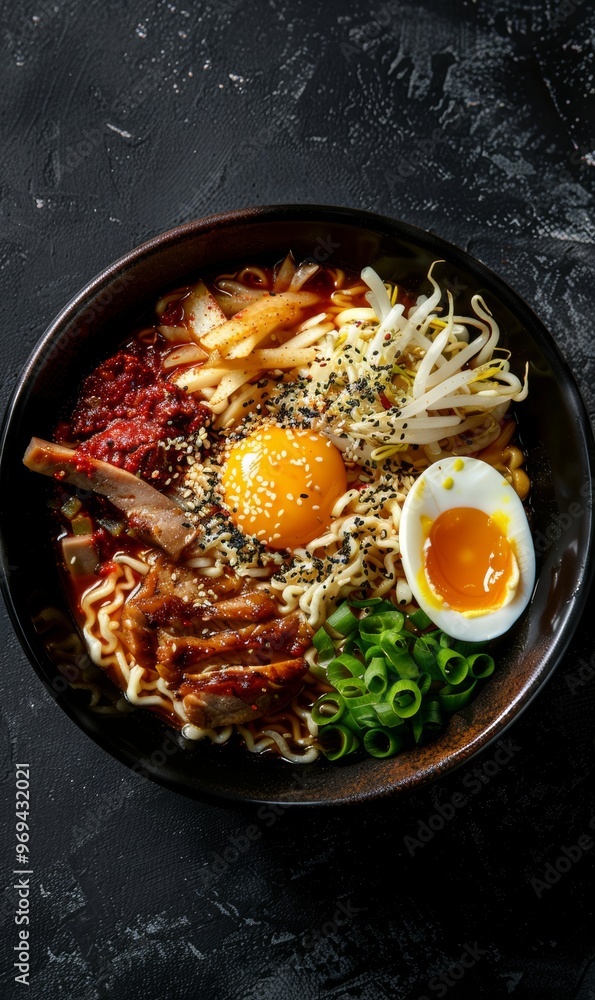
{"x":472,"y":119}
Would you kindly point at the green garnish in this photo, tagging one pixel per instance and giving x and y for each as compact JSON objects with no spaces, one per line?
{"x":82,"y":525}
{"x":71,"y":507}
{"x":342,"y":741}
{"x":114,"y":527}
{"x":395,"y":677}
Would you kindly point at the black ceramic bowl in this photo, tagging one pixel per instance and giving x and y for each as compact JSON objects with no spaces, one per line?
{"x":555,"y":433}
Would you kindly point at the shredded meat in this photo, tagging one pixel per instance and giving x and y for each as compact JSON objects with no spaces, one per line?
{"x":220,"y":644}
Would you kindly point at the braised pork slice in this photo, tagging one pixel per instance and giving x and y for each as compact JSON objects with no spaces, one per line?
{"x":181,"y":599}
{"x":288,"y":635}
{"x":179,"y":596}
{"x":220,"y":644}
{"x":172,"y":595}
{"x":153,"y":515}
{"x":239,"y":694}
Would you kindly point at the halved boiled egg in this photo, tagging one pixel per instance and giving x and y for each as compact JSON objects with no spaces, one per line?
{"x":466,"y":549}
{"x":281,"y":484}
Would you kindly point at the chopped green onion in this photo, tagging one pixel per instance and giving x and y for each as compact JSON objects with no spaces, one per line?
{"x":342,"y":667}
{"x":343,"y":620}
{"x":427,"y":721}
{"x":341,"y":739}
{"x":417,"y":728}
{"x":351,"y":687}
{"x":369,"y":602}
{"x":375,"y":676}
{"x":387,"y":717}
{"x":424,"y":682}
{"x":404,"y":697}
{"x":373,"y":626}
{"x":373,"y":651}
{"x":360,"y":717}
{"x":364,"y":700}
{"x":382,"y":742}
{"x":325,"y":646}
{"x":392,"y":640}
{"x":328,"y":709}
{"x":82,"y":525}
{"x":480,"y":665}
{"x":466,"y":648}
{"x":399,"y":658}
{"x":114,"y":527}
{"x":453,"y":667}
{"x":424,"y":652}
{"x":431,"y":714}
{"x":453,"y":698}
{"x":420,"y":619}
{"x":71,"y":507}
{"x":385,"y":607}
{"x":393,"y":685}
{"x":351,"y":645}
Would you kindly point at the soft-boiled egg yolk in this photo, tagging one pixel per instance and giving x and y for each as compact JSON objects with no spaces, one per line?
{"x":281,"y":485}
{"x":468,"y":561}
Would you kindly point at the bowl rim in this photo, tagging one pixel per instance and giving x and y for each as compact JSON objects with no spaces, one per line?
{"x":455,"y":255}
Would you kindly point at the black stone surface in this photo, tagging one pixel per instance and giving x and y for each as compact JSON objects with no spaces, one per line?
{"x":474,"y":120}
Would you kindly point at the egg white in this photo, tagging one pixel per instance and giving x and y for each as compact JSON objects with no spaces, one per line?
{"x":466,"y":482}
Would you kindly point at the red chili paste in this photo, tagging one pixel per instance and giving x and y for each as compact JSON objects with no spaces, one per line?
{"x":127,"y":412}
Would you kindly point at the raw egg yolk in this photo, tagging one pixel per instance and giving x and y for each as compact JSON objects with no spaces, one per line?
{"x":280,"y":485}
{"x":469,"y":563}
